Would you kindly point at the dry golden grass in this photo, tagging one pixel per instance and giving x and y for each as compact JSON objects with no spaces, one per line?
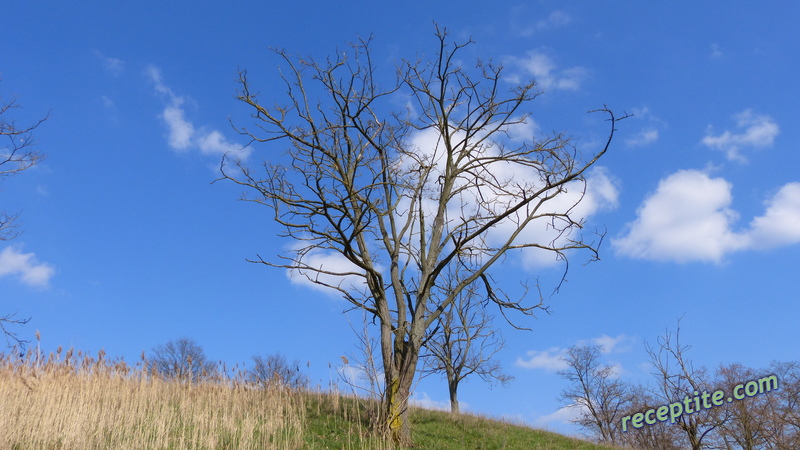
{"x":78,"y":402}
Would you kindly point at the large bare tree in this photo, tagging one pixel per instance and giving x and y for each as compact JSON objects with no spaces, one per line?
{"x":381,"y":203}
{"x":17,"y":154}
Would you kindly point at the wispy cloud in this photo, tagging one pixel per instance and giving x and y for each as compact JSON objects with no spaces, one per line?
{"x":716,"y":51}
{"x":541,"y":67}
{"x":644,"y":137}
{"x":555,"y":19}
{"x":182,"y":134}
{"x":423,"y":400}
{"x":551,"y":359}
{"x":554,"y":358}
{"x":650,"y":131}
{"x":25,"y":267}
{"x":752,"y":131}
{"x":565,"y":415}
{"x":114,"y":66}
{"x":608,"y":344}
{"x":327,"y":268}
{"x":689,"y":218}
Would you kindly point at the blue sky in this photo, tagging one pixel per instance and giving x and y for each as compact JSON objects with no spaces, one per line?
{"x":127,"y":244}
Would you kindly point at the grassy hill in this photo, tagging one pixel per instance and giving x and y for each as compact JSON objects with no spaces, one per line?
{"x":75,"y":401}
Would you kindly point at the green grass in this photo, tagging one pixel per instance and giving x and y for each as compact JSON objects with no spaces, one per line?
{"x":333,"y":421}
{"x":442,"y":430}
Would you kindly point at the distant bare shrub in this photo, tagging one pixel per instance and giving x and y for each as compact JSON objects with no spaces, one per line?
{"x":274,"y":371}
{"x":183,"y":360}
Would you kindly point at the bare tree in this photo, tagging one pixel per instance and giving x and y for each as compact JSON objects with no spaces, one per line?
{"x":655,"y":436}
{"x":750,"y":422}
{"x":786,"y":412}
{"x":595,"y":388}
{"x":362,"y":370}
{"x":676,"y":379}
{"x":389,"y":200}
{"x":463,"y":341}
{"x":16,"y":155}
{"x":274,"y":371}
{"x":183,"y":360}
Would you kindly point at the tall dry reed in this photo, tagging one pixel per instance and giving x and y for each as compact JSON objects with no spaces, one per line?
{"x":79,"y":402}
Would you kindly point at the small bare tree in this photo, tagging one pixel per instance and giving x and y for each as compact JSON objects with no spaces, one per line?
{"x":657,"y":436}
{"x":387,"y":201}
{"x":676,"y":379}
{"x":183,"y":360}
{"x":273,"y":371}
{"x":361,"y":370}
{"x":463,"y":341}
{"x":596,"y":389}
{"x":17,"y":154}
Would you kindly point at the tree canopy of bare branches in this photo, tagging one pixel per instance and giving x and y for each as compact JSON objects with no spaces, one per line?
{"x":183,"y":360}
{"x":463,"y":342}
{"x":764,"y":419}
{"x":677,"y":378}
{"x":274,"y":371}
{"x":595,"y":388}
{"x":17,"y":154}
{"x":389,"y":200}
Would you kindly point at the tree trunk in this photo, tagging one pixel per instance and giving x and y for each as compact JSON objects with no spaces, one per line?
{"x":398,"y":393}
{"x":400,"y":378}
{"x":453,"y":386}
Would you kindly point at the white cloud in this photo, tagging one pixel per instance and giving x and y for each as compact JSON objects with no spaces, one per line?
{"x":565,"y":415}
{"x":554,"y":359}
{"x":25,"y":267}
{"x":543,"y":70}
{"x":214,"y":143}
{"x":601,"y":194}
{"x":581,"y":200}
{"x":610,"y":344}
{"x":181,"y":130}
{"x":649,"y":132}
{"x":331,"y":262}
{"x":524,"y":131}
{"x":556,"y":19}
{"x":114,"y":66}
{"x":423,"y":400}
{"x":182,"y":134}
{"x":780,"y":224}
{"x":754,"y":131}
{"x":716,"y":51}
{"x":645,"y":137}
{"x":689,"y":218}
{"x":551,"y":360}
